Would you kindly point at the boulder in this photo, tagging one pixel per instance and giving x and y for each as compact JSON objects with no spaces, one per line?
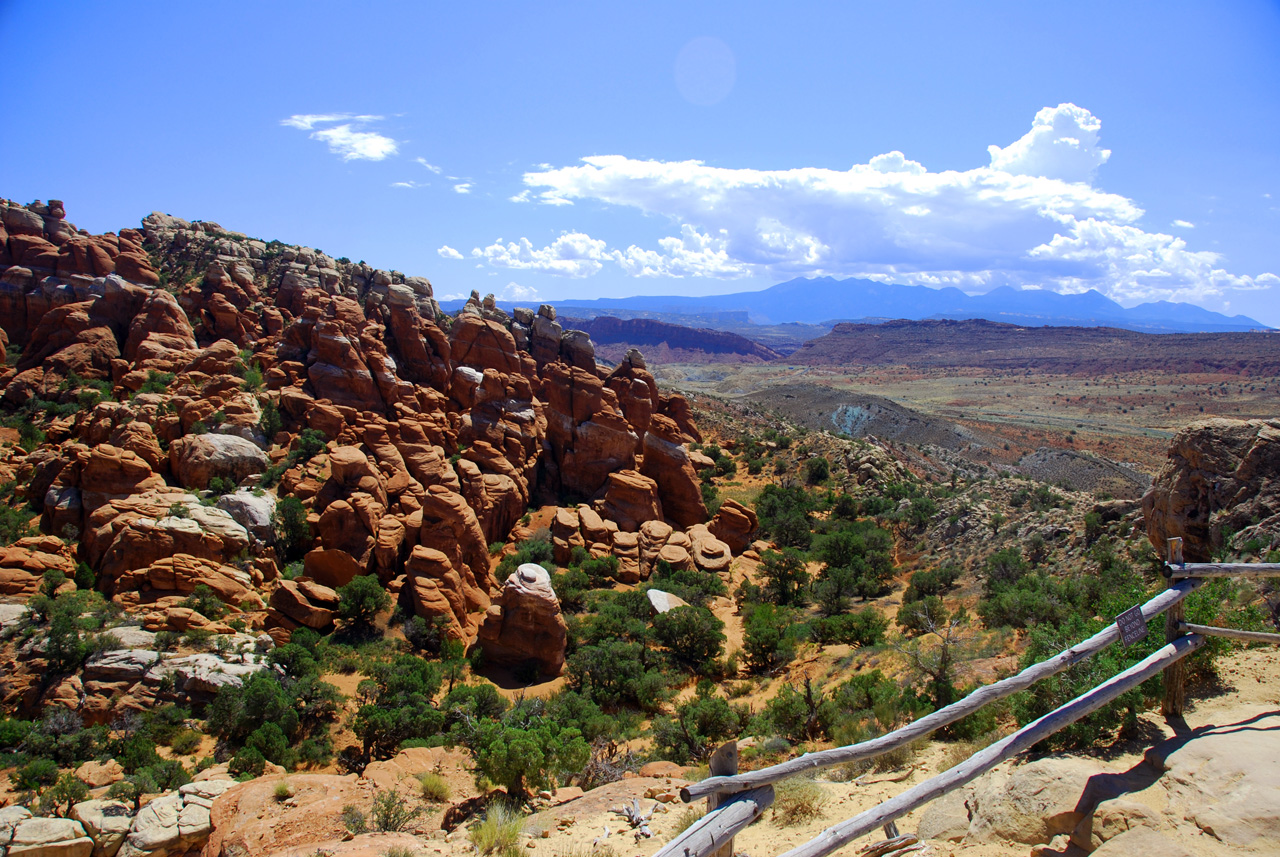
{"x":181,"y":574}
{"x":1111,"y":818}
{"x":23,"y":564}
{"x":708,"y":552}
{"x":1033,"y":803}
{"x":661,"y":601}
{"x":630,"y":500}
{"x":435,"y":590}
{"x":111,"y":474}
{"x":1226,"y":780}
{"x":527,"y":624}
{"x":1142,"y":842}
{"x":95,"y":775}
{"x":734,"y":524}
{"x":197,"y":459}
{"x":106,"y":822}
{"x":50,"y":837}
{"x":654,"y":536}
{"x":135,"y":532}
{"x":253,"y":511}
{"x":626,"y":547}
{"x":248,"y":819}
{"x":306,"y":603}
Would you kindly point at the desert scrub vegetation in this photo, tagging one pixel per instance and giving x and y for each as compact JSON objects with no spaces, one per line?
{"x":498,"y":833}
{"x":798,"y":800}
{"x":434,"y":787}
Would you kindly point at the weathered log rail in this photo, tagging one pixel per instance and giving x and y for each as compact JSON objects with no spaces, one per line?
{"x":743,"y":797}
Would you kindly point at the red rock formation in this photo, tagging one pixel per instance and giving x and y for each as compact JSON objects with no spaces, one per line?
{"x":734,"y":524}
{"x":527,"y":626}
{"x":666,"y":462}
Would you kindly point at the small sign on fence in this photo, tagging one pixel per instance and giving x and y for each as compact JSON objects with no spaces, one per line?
{"x":1132,"y":626}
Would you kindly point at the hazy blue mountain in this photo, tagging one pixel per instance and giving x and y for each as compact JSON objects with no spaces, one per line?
{"x":826,"y":299}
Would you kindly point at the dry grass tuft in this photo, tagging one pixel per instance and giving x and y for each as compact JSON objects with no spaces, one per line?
{"x":499,"y":832}
{"x":797,"y":801}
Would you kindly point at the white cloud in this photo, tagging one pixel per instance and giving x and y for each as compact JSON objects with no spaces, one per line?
{"x":516,"y":292}
{"x":344,"y":134}
{"x":462,"y":187}
{"x":1184,"y":224}
{"x":1031,"y":218}
{"x":571,"y":255}
{"x":448,"y":252}
{"x":1062,"y":144}
{"x":513,"y":291}
{"x":430,"y":166}
{"x":410,"y":184}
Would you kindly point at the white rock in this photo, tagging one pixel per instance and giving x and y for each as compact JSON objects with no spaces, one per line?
{"x":107,"y":822}
{"x":1227,"y":782}
{"x":50,"y":837}
{"x":254,"y":513}
{"x":132,"y":637}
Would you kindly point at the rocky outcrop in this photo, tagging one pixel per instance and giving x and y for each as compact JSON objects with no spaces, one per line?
{"x":249,"y":819}
{"x":175,"y":823}
{"x":137,"y":532}
{"x":734,"y":524}
{"x":630,"y":499}
{"x":1222,"y":477}
{"x":23,"y":564}
{"x":49,"y":837}
{"x":666,"y":462}
{"x":304,"y":602}
{"x":198,"y":459}
{"x":436,"y":434}
{"x":526,"y":625}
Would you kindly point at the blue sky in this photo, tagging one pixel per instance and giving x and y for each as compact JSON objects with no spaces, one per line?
{"x":597,"y":149}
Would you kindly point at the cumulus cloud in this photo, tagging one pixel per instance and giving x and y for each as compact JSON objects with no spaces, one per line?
{"x":345,"y":135}
{"x":516,"y":292}
{"x":571,"y":255}
{"x":1184,"y":224}
{"x":447,"y":252}
{"x":462,"y":187}
{"x":1032,"y":217}
{"x":1062,"y":144}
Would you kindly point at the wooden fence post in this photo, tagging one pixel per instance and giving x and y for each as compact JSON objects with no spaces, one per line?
{"x":723,"y":763}
{"x":1175,"y":675}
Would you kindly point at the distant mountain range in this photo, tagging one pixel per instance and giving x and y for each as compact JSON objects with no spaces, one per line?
{"x":826,"y":300}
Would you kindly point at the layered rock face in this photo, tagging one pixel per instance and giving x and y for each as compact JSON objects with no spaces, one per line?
{"x":183,"y":356}
{"x":1222,"y":480}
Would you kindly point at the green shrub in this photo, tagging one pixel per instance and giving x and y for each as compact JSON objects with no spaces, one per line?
{"x":293,"y":534}
{"x":693,"y":637}
{"x":767,"y":643}
{"x":203,"y":600}
{"x":270,"y":423}
{"x":157,"y":382}
{"x":392,"y":813}
{"x":35,"y":775}
{"x":817,"y":471}
{"x":526,"y":750}
{"x":360,"y":602}
{"x":14,"y":524}
{"x":697,"y":726}
{"x":354,"y":820}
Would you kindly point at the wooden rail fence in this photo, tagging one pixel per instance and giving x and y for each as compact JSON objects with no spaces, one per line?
{"x":735,"y":800}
